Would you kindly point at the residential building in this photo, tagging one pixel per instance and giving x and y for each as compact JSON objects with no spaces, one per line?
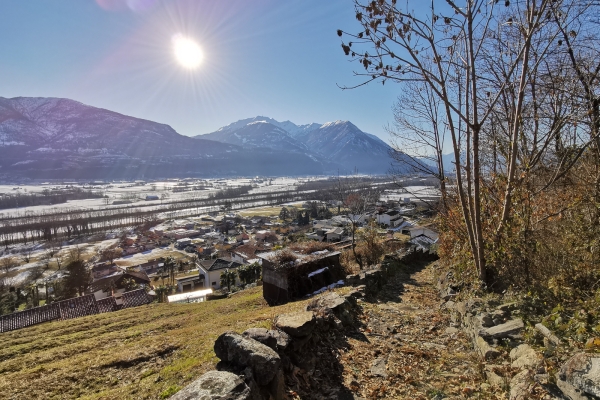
{"x":116,"y":285}
{"x":210,"y":271}
{"x":391,"y":218}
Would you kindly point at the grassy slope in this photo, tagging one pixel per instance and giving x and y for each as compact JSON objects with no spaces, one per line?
{"x":146,"y":352}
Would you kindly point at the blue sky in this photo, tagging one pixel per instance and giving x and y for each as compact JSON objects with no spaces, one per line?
{"x":278,"y":58}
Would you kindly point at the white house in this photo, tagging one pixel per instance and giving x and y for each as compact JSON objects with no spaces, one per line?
{"x":211,"y":271}
{"x":390,"y":218}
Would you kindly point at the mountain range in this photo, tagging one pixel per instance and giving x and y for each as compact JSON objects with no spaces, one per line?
{"x":65,"y":139}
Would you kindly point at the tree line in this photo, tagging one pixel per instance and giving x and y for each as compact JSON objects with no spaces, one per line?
{"x":46,"y":197}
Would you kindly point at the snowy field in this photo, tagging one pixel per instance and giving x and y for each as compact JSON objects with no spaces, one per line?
{"x":136,"y":192}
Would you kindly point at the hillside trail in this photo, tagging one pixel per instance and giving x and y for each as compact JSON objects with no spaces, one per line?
{"x":405,"y":347}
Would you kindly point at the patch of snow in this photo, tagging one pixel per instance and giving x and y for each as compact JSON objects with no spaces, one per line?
{"x":326,"y":288}
{"x":319,"y":271}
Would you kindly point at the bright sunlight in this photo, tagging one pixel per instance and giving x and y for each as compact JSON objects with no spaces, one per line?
{"x":187,"y":52}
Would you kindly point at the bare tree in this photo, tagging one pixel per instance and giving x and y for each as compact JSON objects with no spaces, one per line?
{"x":418,"y":134}
{"x":75,"y":253}
{"x":358,"y":197}
{"x":110,"y":253}
{"x":59,"y":258}
{"x":8,"y":263}
{"x":446,"y":52}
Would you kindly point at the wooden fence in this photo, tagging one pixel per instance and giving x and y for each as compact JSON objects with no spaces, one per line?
{"x":71,"y":308}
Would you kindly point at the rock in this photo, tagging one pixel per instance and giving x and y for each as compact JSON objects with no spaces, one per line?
{"x":521,"y":385}
{"x":379,"y":367}
{"x":461,"y":307}
{"x":583,"y":372}
{"x":519,"y":351}
{"x":332,"y":303}
{"x":570,"y":391}
{"x":356,"y":294}
{"x":508,"y":307}
{"x":547,"y":334}
{"x":261,"y":335}
{"x":507,"y":329}
{"x":486,"y":351}
{"x":485,"y":319}
{"x":235,"y":349}
{"x":448,"y":294}
{"x":218,"y":385}
{"x":353,"y":279}
{"x":451,"y":330}
{"x":297,"y":324}
{"x":299,"y":342}
{"x":448,"y":305}
{"x":444,"y":280}
{"x":467,"y":307}
{"x":494,"y":378}
{"x":524,"y":356}
{"x":282,"y":338}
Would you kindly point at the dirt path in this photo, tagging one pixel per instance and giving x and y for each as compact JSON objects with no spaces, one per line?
{"x":407,"y":349}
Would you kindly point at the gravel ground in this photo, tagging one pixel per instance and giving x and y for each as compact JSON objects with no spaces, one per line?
{"x":405,"y":348}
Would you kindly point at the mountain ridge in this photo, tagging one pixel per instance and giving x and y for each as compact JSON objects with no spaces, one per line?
{"x":49,"y":138}
{"x":341,"y":142}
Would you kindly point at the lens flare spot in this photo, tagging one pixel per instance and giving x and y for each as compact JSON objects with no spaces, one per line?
{"x":187,"y":52}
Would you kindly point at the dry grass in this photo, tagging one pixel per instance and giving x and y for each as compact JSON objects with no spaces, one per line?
{"x":147,"y":352}
{"x":311,"y":247}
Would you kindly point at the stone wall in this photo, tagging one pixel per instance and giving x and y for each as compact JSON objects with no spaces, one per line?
{"x":509,"y":362}
{"x":298,"y":355}
{"x":265,"y":363}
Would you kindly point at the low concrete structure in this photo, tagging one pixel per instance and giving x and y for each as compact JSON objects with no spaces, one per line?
{"x":301,"y":275}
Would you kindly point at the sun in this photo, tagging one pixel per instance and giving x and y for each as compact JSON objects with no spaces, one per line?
{"x":187,"y":52}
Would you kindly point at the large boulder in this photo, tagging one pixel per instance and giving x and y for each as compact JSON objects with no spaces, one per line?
{"x":282,"y":338}
{"x":237,"y":350}
{"x":332,"y":303}
{"x":583,"y":372}
{"x":297,"y":324}
{"x":261,"y":335}
{"x":216,"y":385}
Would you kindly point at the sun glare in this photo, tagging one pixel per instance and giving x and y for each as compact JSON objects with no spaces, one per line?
{"x":187,"y":52}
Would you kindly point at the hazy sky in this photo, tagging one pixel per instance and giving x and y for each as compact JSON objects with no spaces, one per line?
{"x":278,"y":58}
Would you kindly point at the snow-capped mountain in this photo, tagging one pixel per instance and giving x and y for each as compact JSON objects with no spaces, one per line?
{"x":53,"y":125}
{"x":342,"y":142}
{"x":257,"y":133}
{"x":339,"y":142}
{"x":292,"y":129}
{"x":62,"y":138}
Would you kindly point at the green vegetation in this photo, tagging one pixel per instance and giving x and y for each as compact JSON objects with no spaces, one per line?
{"x":142,"y":353}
